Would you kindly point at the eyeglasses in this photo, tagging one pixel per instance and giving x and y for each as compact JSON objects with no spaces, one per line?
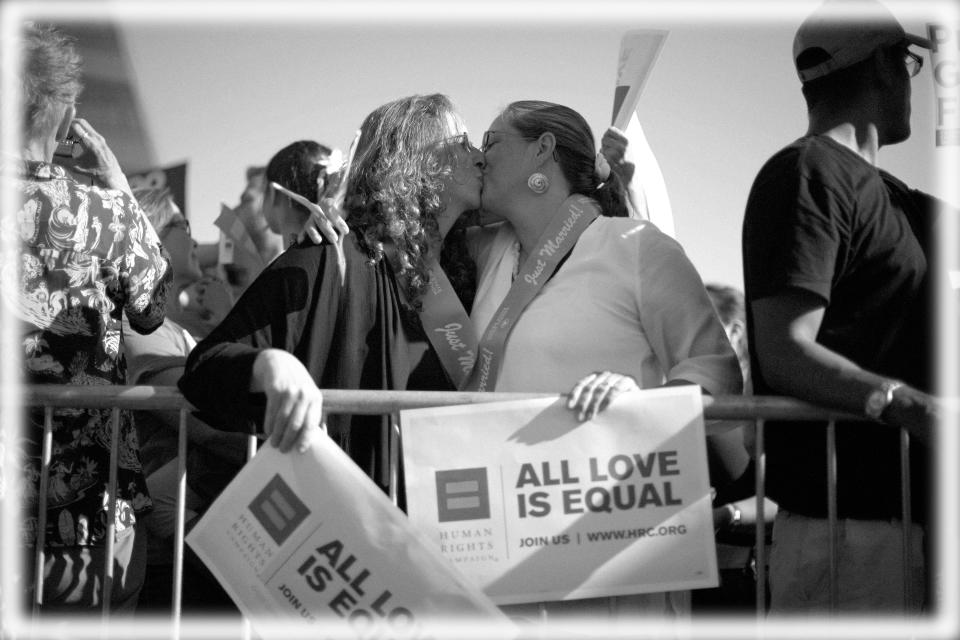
{"x":913,"y":61}
{"x":461,"y":139}
{"x":488,"y":139}
{"x":179,"y":222}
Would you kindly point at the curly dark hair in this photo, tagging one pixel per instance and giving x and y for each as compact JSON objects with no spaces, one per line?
{"x":576,"y":150}
{"x":297,"y":168}
{"x":394,"y":186}
{"x":456,"y":261}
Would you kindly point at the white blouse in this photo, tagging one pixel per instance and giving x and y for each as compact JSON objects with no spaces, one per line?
{"x":626,"y":300}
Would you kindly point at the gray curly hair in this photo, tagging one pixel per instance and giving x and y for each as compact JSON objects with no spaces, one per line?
{"x":50,"y":78}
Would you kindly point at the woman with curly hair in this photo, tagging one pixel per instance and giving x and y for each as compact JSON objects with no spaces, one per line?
{"x":310,"y":322}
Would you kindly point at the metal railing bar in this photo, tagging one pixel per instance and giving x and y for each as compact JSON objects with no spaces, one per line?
{"x":760,"y":531}
{"x":104,"y":397}
{"x":907,"y":515}
{"x":385,"y":457}
{"x":769,"y":408}
{"x":362,"y":402}
{"x":394,"y":464}
{"x":832,"y":515}
{"x":46,"y":454}
{"x":369,"y":402}
{"x":107,"y":592}
{"x":180,"y":523}
{"x":246,"y":626}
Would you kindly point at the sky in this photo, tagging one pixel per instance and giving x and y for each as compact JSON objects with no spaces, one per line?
{"x":223,"y":86}
{"x":223,"y":90}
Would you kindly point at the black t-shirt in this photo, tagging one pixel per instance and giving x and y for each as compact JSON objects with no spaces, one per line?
{"x":821,"y":219}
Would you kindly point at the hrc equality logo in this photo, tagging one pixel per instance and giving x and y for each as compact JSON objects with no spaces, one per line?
{"x":278,"y":509}
{"x":462,"y":494}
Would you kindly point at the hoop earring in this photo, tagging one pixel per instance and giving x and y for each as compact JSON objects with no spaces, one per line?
{"x":538,"y":183}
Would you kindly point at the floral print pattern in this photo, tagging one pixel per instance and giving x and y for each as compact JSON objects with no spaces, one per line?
{"x":87,"y":255}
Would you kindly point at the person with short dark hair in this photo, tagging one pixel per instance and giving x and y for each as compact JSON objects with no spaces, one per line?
{"x":87,"y":255}
{"x":838,"y":274}
{"x":301,"y":167}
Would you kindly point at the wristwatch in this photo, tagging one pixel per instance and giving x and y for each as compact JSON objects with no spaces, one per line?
{"x":735,"y":518}
{"x":880,"y":398}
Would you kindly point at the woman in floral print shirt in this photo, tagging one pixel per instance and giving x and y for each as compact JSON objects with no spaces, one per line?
{"x":87,"y":255}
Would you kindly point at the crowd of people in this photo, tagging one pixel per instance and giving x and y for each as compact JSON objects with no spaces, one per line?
{"x":359,"y":263}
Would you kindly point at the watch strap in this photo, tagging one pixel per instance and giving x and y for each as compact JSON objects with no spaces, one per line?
{"x":880,"y":398}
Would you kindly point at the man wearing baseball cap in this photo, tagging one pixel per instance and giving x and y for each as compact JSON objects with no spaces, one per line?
{"x":837,"y":269}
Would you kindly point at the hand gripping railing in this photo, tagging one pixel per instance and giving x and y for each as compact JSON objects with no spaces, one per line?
{"x":757,"y":408}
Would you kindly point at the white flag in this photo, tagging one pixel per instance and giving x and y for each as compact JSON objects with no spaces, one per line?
{"x":639,"y":51}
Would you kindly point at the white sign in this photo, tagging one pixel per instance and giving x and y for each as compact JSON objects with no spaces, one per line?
{"x":946,"y":82}
{"x":308,"y":538}
{"x":534,"y":506}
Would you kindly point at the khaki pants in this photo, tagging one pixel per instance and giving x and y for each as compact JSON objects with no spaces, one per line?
{"x":672,"y":605}
{"x":870,"y":566}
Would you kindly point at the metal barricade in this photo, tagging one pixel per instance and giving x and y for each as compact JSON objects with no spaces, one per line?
{"x":757,"y":408}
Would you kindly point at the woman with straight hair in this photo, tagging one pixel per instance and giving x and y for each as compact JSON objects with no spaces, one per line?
{"x":601,"y":303}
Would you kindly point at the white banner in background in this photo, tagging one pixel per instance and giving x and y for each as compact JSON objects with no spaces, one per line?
{"x":535,"y":506}
{"x":639,"y":51}
{"x":647,"y":190}
{"x":945,"y":58}
{"x":309,"y":538}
